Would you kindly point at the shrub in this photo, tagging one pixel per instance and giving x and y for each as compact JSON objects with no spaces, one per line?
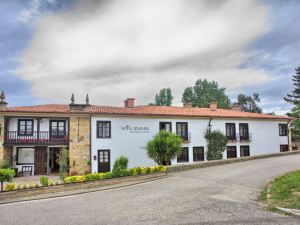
{"x":10,"y":187}
{"x":6,"y":175}
{"x":74,"y":179}
{"x":5,"y":164}
{"x":125,"y":172}
{"x":63,"y":158}
{"x":108,"y":175}
{"x":94,"y":176}
{"x":164,"y":147}
{"x":44,"y":181}
{"x":148,"y":171}
{"x":120,"y":164}
{"x":217,"y":142}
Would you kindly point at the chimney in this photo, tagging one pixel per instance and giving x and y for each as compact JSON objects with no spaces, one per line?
{"x":236,"y":107}
{"x":213,"y":106}
{"x":3,"y":103}
{"x":129,"y":103}
{"x":188,"y":105}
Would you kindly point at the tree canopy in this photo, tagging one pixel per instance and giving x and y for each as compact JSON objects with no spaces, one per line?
{"x":204,"y":92}
{"x":216,"y":144}
{"x":163,"y":98}
{"x":249,"y":103}
{"x":164,"y":147}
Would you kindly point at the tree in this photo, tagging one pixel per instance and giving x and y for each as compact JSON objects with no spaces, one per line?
{"x":204,"y":92}
{"x":63,"y":162}
{"x":294,"y":98}
{"x":6,"y":175}
{"x":120,"y":164}
{"x":164,"y":147}
{"x":163,"y":98}
{"x":216,"y":144}
{"x":249,"y":103}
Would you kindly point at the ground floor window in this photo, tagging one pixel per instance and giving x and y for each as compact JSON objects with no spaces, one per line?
{"x":231,"y":152}
{"x":284,"y":148}
{"x":184,"y":156}
{"x":244,"y":151}
{"x":25,"y":156}
{"x":198,"y":154}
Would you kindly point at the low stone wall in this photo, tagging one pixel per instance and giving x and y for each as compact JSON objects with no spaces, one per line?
{"x":23,"y":193}
{"x":189,"y":166}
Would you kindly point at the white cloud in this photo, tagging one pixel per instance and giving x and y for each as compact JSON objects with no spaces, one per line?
{"x":118,"y":49}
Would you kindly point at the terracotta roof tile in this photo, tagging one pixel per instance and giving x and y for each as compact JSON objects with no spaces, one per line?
{"x":146,"y":111}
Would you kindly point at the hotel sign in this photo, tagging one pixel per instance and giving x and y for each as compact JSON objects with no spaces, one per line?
{"x":136,"y":129}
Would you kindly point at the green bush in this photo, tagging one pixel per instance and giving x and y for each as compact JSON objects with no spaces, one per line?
{"x":125,"y":173}
{"x":217,"y":142}
{"x":10,"y":187}
{"x":164,"y":147}
{"x":6,"y":175}
{"x":120,"y":164}
{"x":108,"y":175}
{"x":44,"y":181}
{"x":63,"y":162}
{"x":5,"y":164}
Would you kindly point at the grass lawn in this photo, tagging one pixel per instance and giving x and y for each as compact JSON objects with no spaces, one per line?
{"x":284,"y":191}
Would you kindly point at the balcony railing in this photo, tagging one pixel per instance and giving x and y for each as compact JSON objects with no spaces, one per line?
{"x":240,"y":138}
{"x":37,"y":138}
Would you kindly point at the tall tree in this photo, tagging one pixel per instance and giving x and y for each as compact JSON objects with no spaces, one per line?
{"x":294,"y":98}
{"x":164,"y":97}
{"x":204,"y":92}
{"x":249,"y":103}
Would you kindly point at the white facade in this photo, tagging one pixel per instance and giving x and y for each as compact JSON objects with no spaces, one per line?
{"x":129,"y":136}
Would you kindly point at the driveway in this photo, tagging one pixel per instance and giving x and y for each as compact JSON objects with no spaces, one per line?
{"x":217,"y":195}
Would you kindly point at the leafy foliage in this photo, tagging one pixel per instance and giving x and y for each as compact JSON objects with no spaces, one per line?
{"x":217,"y":142}
{"x":63,"y":162}
{"x":164,"y":98}
{"x":164,"y":147}
{"x":120,"y":164}
{"x":6,"y":175}
{"x":5,"y":164}
{"x":44,"y":181}
{"x":249,"y":103}
{"x":10,"y":187}
{"x":204,"y":92}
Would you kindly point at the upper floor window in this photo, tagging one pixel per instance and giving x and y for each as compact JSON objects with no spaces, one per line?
{"x":244,"y":131}
{"x":182,"y":130}
{"x":25,"y":127}
{"x":230,"y":131}
{"x":282,"y":130}
{"x":57,"y":128}
{"x":103,"y":129}
{"x":165,"y":126}
{"x":184,"y":156}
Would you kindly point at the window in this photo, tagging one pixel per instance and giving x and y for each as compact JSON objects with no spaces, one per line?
{"x":25,"y":156}
{"x":244,"y":151}
{"x":198,"y":154}
{"x":284,"y":148}
{"x":57,"y":128}
{"x":184,"y":156}
{"x":244,"y":131}
{"x":230,"y":131}
{"x":182,"y":130}
{"x":103,"y":129}
{"x":25,"y":127}
{"x":165,"y":126}
{"x":282,"y":130}
{"x":231,"y":152}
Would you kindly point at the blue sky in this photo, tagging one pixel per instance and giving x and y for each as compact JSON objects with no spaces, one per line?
{"x":51,"y":48}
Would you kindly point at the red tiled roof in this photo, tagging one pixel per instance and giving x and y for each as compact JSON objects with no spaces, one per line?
{"x":145,"y":111}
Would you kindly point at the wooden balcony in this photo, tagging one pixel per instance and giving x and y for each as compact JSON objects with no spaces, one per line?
{"x":36,"y":138}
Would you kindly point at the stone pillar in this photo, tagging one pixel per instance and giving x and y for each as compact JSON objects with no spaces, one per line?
{"x":79,"y":149}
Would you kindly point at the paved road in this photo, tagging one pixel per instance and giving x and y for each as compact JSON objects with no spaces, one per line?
{"x":218,"y":195}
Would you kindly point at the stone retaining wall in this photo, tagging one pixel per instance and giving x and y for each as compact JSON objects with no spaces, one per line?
{"x":182,"y":167}
{"x":77,"y":186}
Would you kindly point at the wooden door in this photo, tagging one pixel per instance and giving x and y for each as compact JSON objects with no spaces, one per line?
{"x":40,"y":161}
{"x":103,"y":161}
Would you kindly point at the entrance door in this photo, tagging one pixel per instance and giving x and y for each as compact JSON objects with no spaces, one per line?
{"x":103,"y":161}
{"x":40,"y":159}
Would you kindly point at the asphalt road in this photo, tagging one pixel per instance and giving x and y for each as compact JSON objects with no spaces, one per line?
{"x":217,"y":195}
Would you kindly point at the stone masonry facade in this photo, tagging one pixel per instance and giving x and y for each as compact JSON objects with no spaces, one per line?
{"x":79,"y":148}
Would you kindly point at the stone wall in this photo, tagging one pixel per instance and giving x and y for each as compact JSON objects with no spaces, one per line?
{"x":1,"y":137}
{"x":79,"y":149}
